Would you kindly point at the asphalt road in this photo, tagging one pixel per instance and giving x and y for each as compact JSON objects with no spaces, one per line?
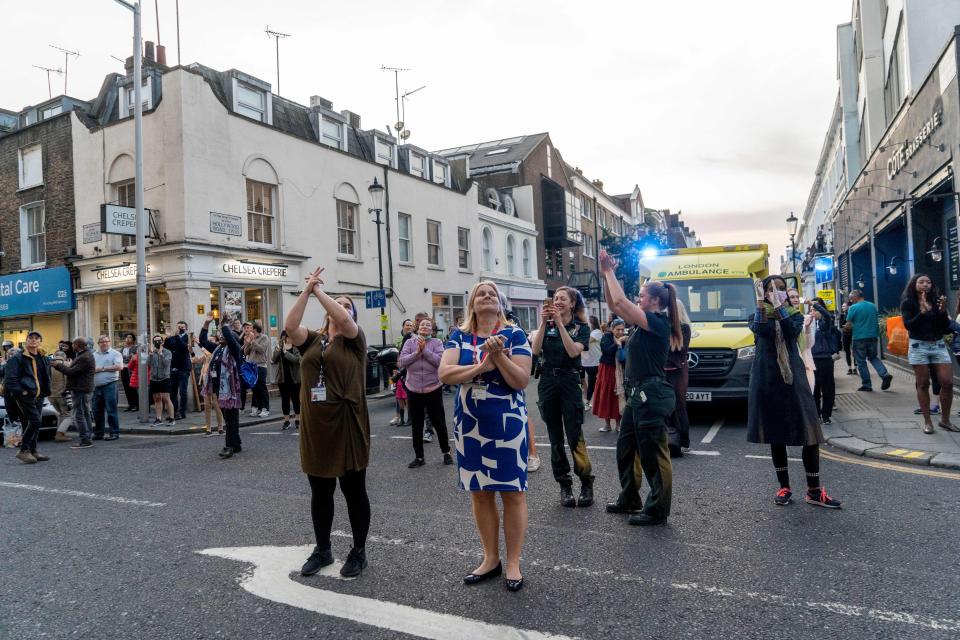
{"x":121,"y":558}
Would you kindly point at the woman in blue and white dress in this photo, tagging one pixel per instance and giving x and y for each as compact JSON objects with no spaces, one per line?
{"x":489,"y":359}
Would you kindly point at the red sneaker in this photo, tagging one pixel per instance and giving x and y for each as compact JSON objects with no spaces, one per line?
{"x":784,"y":497}
{"x":819,"y":498}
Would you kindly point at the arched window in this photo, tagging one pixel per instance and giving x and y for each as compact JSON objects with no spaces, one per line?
{"x":511,"y":256}
{"x":261,"y":186}
{"x":487,"y":249}
{"x":526,"y":258}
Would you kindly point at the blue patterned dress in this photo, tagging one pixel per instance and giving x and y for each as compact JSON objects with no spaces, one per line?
{"x":491,"y":433}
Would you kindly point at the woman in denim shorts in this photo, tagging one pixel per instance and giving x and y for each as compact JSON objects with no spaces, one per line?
{"x":924,"y":313}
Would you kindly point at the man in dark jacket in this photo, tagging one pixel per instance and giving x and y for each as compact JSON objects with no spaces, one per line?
{"x":179,"y":347}
{"x":80,"y":374}
{"x":825,"y":344}
{"x":27,"y":380}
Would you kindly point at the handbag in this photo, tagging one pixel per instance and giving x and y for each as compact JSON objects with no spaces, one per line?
{"x":249,"y":373}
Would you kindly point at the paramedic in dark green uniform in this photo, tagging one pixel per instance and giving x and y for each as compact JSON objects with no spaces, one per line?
{"x":650,"y":398}
{"x":562,"y":336}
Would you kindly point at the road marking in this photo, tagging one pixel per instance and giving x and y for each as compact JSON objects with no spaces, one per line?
{"x":897,"y":452}
{"x":914,"y":454}
{"x":876,"y":464}
{"x":839,"y":608}
{"x":768,"y":458}
{"x":271,"y":580}
{"x":712,"y":433}
{"x":82,"y":494}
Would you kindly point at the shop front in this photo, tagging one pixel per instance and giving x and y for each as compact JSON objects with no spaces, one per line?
{"x":892,"y":261}
{"x":40,"y":300}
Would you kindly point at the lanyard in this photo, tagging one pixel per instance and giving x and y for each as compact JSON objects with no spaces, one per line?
{"x":496,"y":330}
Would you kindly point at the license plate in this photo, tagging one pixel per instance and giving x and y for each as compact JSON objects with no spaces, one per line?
{"x":699,"y":396}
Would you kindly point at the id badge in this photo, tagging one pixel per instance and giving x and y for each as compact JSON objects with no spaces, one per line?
{"x":479,"y":392}
{"x":213,"y":373}
{"x":643,"y":397}
{"x":318,"y":393}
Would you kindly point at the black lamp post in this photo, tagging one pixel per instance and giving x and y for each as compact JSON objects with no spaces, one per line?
{"x":792,"y":230}
{"x":376,"y":195}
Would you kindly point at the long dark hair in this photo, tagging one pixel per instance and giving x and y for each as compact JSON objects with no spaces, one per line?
{"x":910,"y":291}
{"x":579,"y":310}
{"x":666,"y":296}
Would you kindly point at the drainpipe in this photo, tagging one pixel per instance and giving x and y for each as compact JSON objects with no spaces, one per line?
{"x":386,"y":208}
{"x":596,"y":260}
{"x":912,"y":268}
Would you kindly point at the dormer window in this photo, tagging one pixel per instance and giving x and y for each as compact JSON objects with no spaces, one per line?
{"x":418,"y":165}
{"x":146,"y":98}
{"x":384,"y":152}
{"x":440,"y":173}
{"x":52,"y":110}
{"x":333,"y":133}
{"x":251,"y":102}
{"x":497,"y":152}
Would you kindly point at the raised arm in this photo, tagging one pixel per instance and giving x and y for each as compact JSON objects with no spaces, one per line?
{"x":202,"y":339}
{"x":616,"y":298}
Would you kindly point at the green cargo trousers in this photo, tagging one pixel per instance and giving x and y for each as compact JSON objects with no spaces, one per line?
{"x":561,"y":408}
{"x":643,"y":434}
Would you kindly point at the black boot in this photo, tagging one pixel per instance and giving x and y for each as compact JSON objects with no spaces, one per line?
{"x":586,"y":493}
{"x":566,"y":496}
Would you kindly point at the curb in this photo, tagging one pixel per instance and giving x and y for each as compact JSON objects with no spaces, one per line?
{"x":869,"y":449}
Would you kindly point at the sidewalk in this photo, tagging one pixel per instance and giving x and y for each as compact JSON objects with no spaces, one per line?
{"x":881,"y":424}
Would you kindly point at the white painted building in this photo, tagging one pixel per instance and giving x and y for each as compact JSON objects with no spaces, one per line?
{"x":249,"y":191}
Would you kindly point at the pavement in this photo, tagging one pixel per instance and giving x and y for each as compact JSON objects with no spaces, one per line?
{"x":881,"y":424}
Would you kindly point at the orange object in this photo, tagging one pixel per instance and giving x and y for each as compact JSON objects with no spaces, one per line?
{"x":897,"y":337}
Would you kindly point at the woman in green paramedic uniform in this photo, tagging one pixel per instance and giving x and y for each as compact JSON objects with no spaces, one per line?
{"x":562,"y":336}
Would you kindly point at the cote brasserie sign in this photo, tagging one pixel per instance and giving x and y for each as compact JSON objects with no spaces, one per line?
{"x":901,"y":157}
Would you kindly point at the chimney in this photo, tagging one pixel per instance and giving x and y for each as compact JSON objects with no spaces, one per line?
{"x":352,"y":118}
{"x":317,"y":101}
{"x":598,"y":184}
{"x":161,"y":55}
{"x":148,"y":50}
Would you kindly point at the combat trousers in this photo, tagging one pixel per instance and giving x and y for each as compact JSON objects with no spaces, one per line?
{"x":561,"y":408}
{"x":643,"y":434}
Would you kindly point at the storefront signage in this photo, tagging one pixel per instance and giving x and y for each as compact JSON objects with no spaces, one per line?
{"x":40,"y":291}
{"x":248,"y":269}
{"x":953,"y":252}
{"x":901,"y":156}
{"x":91,"y":233}
{"x":119,"y":273}
{"x":226,"y":224}
{"x":829,"y":297}
{"x":118,"y":220}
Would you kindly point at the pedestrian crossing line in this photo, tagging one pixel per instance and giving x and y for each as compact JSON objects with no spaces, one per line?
{"x":712,"y":433}
{"x":768,"y":457}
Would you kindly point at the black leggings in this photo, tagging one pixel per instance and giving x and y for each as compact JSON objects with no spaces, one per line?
{"x":591,"y":381}
{"x":353,"y":485}
{"x":811,"y":464}
{"x":432,"y":404}
{"x":289,"y":394}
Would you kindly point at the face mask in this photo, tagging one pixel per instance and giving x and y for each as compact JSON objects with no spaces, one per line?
{"x":157,"y":343}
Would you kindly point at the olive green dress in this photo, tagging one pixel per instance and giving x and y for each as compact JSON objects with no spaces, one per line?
{"x":335,"y":434}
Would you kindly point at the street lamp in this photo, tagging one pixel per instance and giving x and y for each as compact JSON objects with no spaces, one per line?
{"x":792,"y":230}
{"x":141,"y":219}
{"x":936,"y":252}
{"x":376,"y":195}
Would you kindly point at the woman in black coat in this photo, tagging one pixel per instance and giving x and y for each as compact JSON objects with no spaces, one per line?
{"x":781,"y":410}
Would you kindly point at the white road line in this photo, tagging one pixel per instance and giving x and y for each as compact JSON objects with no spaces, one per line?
{"x":271,"y":580}
{"x":838,"y":608}
{"x":701,"y":452}
{"x":768,"y":457}
{"x":712,"y":433}
{"x":82,"y":494}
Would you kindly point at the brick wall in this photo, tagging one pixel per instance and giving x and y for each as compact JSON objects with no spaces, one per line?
{"x":56,"y":191}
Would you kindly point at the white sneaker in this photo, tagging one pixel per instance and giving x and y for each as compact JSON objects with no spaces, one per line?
{"x":264,"y":413}
{"x":604,"y":428}
{"x":428,"y":436}
{"x":587,"y":406}
{"x":533,"y":463}
{"x":253,"y":413}
{"x":395,"y":421}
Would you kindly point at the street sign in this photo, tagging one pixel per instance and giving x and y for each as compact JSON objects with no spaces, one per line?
{"x":117,"y":219}
{"x":823,"y":268}
{"x":384,"y":322}
{"x":829,"y":298}
{"x":376,"y":299}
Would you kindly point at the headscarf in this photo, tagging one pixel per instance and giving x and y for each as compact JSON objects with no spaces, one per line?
{"x":783,"y":355}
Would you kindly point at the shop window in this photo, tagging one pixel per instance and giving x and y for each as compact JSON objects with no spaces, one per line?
{"x":30,"y":166}
{"x":404,"y":238}
{"x":463,"y":247}
{"x":347,"y":229}
{"x":33,"y":236}
{"x":434,"y":253}
{"x":260,"y":214}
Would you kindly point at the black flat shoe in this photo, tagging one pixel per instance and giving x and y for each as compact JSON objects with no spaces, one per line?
{"x":417,"y":462}
{"x":355,"y":563}
{"x":618,"y":507}
{"x":317,"y":560}
{"x":447,"y":458}
{"x":477,"y":578}
{"x":514,"y":585}
{"x":643,"y":520}
{"x":226,"y":452}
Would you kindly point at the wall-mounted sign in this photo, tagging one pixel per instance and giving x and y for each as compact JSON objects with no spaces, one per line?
{"x":901,"y":156}
{"x":823,"y":268}
{"x":200,"y":310}
{"x":40,"y":291}
{"x":953,"y":252}
{"x":91,"y":233}
{"x":255,"y":270}
{"x":118,"y":220}
{"x":226,"y":224}
{"x":119,"y":273}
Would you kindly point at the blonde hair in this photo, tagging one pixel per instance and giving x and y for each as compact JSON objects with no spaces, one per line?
{"x":470,"y":317}
{"x":676,"y":344}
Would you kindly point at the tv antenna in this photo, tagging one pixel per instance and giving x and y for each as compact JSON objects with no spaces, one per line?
{"x":396,"y":85}
{"x":403,"y":131}
{"x":66,"y":63}
{"x":49,"y":71}
{"x":276,"y":35}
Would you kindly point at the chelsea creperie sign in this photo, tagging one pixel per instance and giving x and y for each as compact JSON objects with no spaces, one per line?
{"x":901,"y":156}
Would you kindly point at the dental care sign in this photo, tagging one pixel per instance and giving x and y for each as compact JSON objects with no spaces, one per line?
{"x":40,"y":291}
{"x":119,"y":220}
